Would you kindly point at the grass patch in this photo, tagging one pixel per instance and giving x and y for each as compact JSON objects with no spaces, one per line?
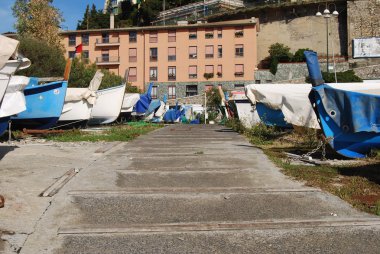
{"x":115,"y":133}
{"x":357,"y":183}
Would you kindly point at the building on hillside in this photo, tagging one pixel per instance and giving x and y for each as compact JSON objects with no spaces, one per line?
{"x":195,"y":11}
{"x":182,"y":60}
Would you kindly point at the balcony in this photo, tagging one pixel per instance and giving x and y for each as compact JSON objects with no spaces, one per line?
{"x":209,"y":55}
{"x":110,"y":60}
{"x":239,"y":74}
{"x":172,"y":77}
{"x":115,"y":41}
{"x":153,"y":78}
{"x":192,"y":56}
{"x":153,"y":58}
{"x":172,"y":58}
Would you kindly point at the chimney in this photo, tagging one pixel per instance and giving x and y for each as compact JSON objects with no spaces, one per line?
{"x":112,"y":21}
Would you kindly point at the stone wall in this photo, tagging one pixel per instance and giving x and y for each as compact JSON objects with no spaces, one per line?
{"x":363,"y":21}
{"x":163,"y":87}
{"x":368,"y":72}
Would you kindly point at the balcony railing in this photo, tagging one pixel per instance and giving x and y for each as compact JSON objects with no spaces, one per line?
{"x":209,"y":55}
{"x":171,"y":77}
{"x":239,"y":74}
{"x":153,"y":58}
{"x":172,"y":58}
{"x":239,"y":54}
{"x":152,"y":77}
{"x":115,"y":41}
{"x":192,"y":76}
{"x":193,"y":56}
{"x":107,"y":60}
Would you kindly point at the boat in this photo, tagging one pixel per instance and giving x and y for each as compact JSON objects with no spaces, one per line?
{"x":44,"y":105}
{"x":10,"y":62}
{"x":14,"y":100}
{"x":79,"y":103}
{"x":348,"y":114}
{"x":291,"y":99}
{"x":245,"y":110}
{"x":143,"y":103}
{"x":268,"y":115}
{"x":108,"y":105}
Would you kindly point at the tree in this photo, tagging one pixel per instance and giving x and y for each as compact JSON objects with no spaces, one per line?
{"x":81,"y":75}
{"x":38,"y":19}
{"x":299,"y":55}
{"x":281,"y":52}
{"x":94,"y":19}
{"x":47,"y":61}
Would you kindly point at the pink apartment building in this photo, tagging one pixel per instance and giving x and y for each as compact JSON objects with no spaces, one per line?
{"x":182,"y":60}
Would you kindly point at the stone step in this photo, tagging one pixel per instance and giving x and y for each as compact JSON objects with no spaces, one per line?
{"x":199,"y":179}
{"x":155,"y":208}
{"x":307,"y":239}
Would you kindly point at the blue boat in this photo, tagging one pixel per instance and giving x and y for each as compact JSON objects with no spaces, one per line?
{"x":4,"y":123}
{"x":44,"y":104}
{"x":145,"y":99}
{"x":349,"y":115}
{"x":271,"y":117}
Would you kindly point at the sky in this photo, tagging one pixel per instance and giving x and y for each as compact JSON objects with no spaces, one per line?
{"x":72,"y":11}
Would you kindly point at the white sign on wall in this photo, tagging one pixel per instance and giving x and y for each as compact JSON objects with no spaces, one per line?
{"x":366,"y":47}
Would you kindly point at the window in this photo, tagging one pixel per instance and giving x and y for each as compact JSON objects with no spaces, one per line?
{"x":220,"y":51}
{"x":191,"y":90}
{"x":239,"y":70}
{"x":219,"y":71}
{"x":239,"y":32}
{"x":132,"y":36}
{"x":239,"y":50}
{"x":105,"y":38}
{"x":132,"y":55}
{"x":192,"y":34}
{"x":257,"y":81}
{"x":209,"y":51}
{"x":268,"y":81}
{"x":171,"y":73}
{"x":71,"y":54}
{"x":172,"y":54}
{"x":171,"y":36}
{"x":132,"y":75}
{"x":239,"y":86}
{"x":85,"y":55}
{"x":105,"y":56}
{"x":153,"y":74}
{"x":154,"y":92}
{"x":193,"y":52}
{"x":220,"y":34}
{"x":171,"y":94}
{"x":153,"y":37}
{"x":192,"y":71}
{"x":208,"y":87}
{"x":209,"y":69}
{"x":72,"y":40}
{"x":85,"y":39}
{"x":209,"y":33}
{"x":153,"y":54}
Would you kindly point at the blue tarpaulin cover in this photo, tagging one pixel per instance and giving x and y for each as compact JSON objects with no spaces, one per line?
{"x":153,"y":106}
{"x":143,"y":104}
{"x":172,"y":115}
{"x":355,"y":111}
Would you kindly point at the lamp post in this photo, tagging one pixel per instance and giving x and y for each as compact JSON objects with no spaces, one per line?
{"x":327,"y":15}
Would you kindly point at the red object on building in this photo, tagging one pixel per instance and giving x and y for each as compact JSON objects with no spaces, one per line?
{"x":79,"y":49}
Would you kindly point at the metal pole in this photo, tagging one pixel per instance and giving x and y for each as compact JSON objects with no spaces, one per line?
{"x":327,"y":44}
{"x":205,"y":106}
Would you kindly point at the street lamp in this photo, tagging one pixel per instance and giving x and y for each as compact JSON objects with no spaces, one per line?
{"x":326,"y":14}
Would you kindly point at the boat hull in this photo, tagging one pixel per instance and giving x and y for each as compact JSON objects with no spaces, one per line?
{"x":44,"y":105}
{"x":107,"y":106}
{"x":339,"y":134}
{"x":4,"y":123}
{"x":271,"y":117}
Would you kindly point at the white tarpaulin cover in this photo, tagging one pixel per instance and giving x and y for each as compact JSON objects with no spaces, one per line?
{"x":90,"y":93}
{"x":246,"y":111}
{"x":14,"y":99}
{"x":291,"y":99}
{"x":8,"y":48}
{"x":130,"y":100}
{"x":161,"y":110}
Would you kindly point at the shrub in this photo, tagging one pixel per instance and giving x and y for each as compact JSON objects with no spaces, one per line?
{"x":208,"y":75}
{"x":281,"y":52}
{"x":299,"y":56}
{"x":273,"y":66}
{"x":47,"y":61}
{"x":342,"y":77}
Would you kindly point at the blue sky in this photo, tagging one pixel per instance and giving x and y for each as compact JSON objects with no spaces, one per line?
{"x":72,"y":11}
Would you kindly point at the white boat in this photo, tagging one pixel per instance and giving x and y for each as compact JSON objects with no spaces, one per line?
{"x":79,"y":103}
{"x":108,"y":105}
{"x":245,"y":109}
{"x":291,"y":99}
{"x":129,"y":101}
{"x":14,"y":99}
{"x":10,"y":62}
